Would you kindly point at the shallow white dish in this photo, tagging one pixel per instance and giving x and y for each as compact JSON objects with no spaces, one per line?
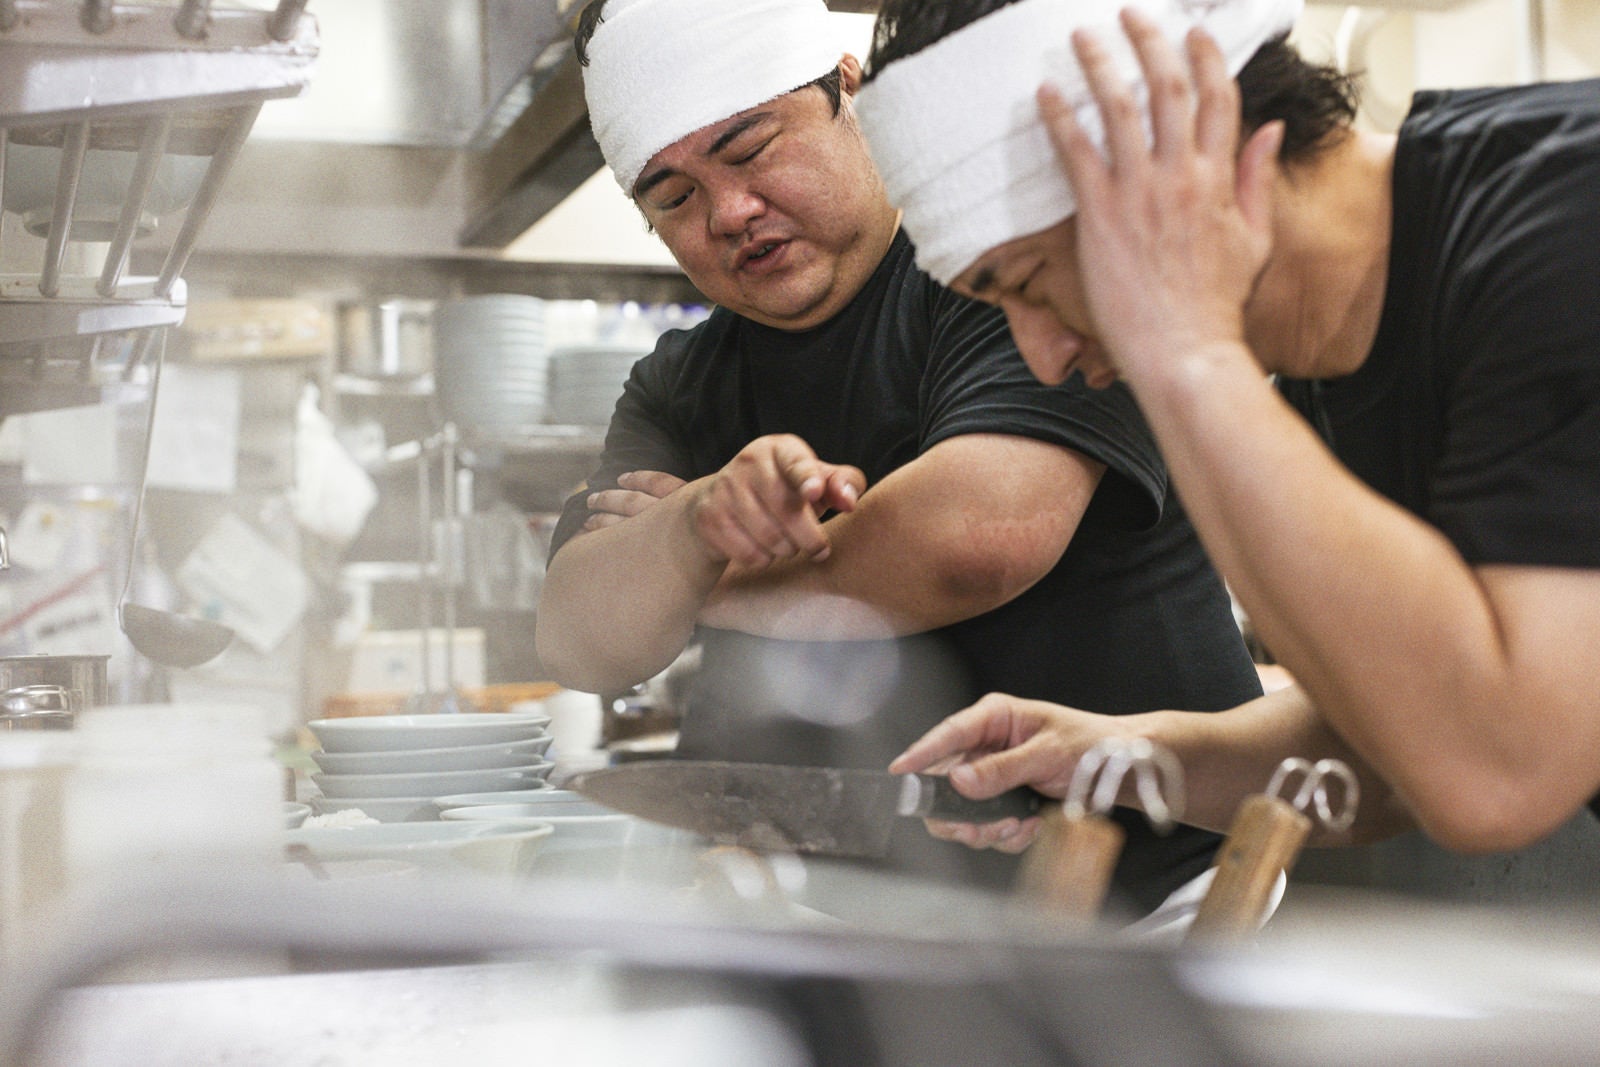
{"x":578,"y":808}
{"x":384,"y":809}
{"x":499,"y":754}
{"x":389,"y":733}
{"x":552,"y":800}
{"x":294,"y":814}
{"x":483,"y":845}
{"x":431,"y":783}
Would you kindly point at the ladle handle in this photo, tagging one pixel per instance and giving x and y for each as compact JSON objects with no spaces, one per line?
{"x":149,"y":341}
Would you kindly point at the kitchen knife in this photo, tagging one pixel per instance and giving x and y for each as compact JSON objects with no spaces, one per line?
{"x":824,"y":810}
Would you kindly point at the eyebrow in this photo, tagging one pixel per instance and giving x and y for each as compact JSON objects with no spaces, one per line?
{"x":645,"y":184}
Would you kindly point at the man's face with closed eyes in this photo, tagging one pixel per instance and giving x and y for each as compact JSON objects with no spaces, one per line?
{"x":1034,"y":279}
{"x":775,"y":213}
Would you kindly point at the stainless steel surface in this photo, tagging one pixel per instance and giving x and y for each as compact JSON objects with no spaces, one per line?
{"x":824,"y":810}
{"x":926,"y":983}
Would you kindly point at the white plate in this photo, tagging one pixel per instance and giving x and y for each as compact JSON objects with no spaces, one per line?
{"x":577,"y":807}
{"x":459,"y":758}
{"x":389,"y":733}
{"x":552,"y":800}
{"x":427,"y":844}
{"x":432,"y":783}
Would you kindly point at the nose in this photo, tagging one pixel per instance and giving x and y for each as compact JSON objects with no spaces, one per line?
{"x":733,"y":207}
{"x":1048,"y":347}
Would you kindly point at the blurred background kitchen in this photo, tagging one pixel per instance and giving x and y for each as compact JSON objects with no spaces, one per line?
{"x":403,"y":325}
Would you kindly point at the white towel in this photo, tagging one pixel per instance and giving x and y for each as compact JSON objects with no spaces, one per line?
{"x":661,"y":69}
{"x":955,"y":129}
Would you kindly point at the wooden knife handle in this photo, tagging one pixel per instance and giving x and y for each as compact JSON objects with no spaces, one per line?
{"x":939,"y":800}
{"x":1264,"y":841}
{"x":1067,"y":869}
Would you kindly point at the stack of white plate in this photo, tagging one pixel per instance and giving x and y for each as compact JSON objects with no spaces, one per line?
{"x":585,"y":381}
{"x":491,"y":365}
{"x":393,"y":767}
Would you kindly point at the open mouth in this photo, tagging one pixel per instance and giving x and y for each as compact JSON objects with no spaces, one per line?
{"x":763,"y":255}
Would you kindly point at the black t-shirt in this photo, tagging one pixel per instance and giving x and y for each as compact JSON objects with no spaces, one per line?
{"x":1478,"y":408}
{"x":1132,"y":618}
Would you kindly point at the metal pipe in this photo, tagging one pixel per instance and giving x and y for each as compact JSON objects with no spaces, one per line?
{"x":191,"y":19}
{"x":151,"y":147}
{"x":96,"y":15}
{"x":5,"y":139}
{"x":283,"y":21}
{"x":72,"y":152}
{"x":205,"y":197}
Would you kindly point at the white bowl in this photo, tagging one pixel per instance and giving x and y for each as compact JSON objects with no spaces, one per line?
{"x":294,"y":814}
{"x":492,"y":846}
{"x":431,"y":783}
{"x":103,"y":184}
{"x":498,"y":755}
{"x":391,"y":733}
{"x":384,"y":809}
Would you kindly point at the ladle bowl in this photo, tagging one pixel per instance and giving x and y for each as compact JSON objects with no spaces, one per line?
{"x":170,"y":639}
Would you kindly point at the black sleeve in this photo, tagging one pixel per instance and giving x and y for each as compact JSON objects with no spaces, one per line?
{"x":637,"y":439}
{"x":978,"y":383}
{"x":1518,"y":478}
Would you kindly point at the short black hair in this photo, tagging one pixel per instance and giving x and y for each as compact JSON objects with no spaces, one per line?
{"x":591,"y":16}
{"x":1317,"y":103}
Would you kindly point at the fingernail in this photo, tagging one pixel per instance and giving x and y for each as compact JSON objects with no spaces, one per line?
{"x":849,"y":493}
{"x":811,"y":486}
{"x":591,"y":499}
{"x":822,"y":553}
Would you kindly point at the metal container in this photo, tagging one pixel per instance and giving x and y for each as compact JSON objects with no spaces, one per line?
{"x":44,"y":692}
{"x":391,"y":339}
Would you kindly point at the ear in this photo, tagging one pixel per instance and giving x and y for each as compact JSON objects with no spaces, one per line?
{"x":849,"y":74}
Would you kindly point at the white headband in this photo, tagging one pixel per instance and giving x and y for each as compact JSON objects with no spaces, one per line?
{"x":661,"y":69}
{"x":955,"y":131}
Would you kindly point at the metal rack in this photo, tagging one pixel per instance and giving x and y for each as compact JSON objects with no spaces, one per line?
{"x":143,"y":87}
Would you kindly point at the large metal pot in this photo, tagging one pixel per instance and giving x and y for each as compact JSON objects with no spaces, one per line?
{"x":44,"y":692}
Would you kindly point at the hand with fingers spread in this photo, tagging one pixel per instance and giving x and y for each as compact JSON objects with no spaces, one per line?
{"x":1002,"y":742}
{"x":767,"y":503}
{"x":1173,"y":225}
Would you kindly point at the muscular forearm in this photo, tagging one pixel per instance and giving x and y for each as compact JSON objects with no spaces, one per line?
{"x":1228,"y":756}
{"x":618,"y":604}
{"x":963,"y":530}
{"x":1379,"y":618}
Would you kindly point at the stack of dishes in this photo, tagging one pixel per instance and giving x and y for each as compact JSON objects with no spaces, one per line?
{"x":585,"y":381}
{"x":393,"y":767}
{"x":491,"y":367}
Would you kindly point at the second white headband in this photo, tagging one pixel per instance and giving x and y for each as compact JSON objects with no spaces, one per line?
{"x":955,"y":130}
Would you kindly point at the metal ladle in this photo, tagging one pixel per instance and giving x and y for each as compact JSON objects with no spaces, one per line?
{"x":165,"y":637}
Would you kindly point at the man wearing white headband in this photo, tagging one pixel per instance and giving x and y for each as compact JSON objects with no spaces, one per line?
{"x":1420,"y":541}
{"x":845,"y":483}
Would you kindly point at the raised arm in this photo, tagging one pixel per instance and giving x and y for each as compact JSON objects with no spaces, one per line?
{"x":1472,"y":689}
